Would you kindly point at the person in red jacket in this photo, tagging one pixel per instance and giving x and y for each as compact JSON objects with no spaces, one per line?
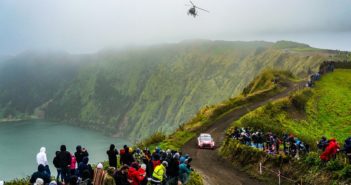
{"x":142,"y":174}
{"x":330,"y":151}
{"x":73,"y":164}
{"x":133,"y":174}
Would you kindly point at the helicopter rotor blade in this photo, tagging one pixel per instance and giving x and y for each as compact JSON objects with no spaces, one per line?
{"x":202,"y":9}
{"x":191,"y":2}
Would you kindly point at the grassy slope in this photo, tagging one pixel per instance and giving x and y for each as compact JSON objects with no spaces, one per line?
{"x":208,"y":114}
{"x":308,"y":114}
{"x":330,"y":107}
{"x":326,"y":110}
{"x":143,"y":90}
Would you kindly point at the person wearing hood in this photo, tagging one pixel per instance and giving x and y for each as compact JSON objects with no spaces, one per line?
{"x":85,"y":166}
{"x":184,"y":171}
{"x":142,"y":174}
{"x":99,"y":175}
{"x":42,"y":159}
{"x":80,"y":154}
{"x":155,"y":161}
{"x":86,"y":179}
{"x":108,"y":178}
{"x":138,"y":156}
{"x":173,"y":169}
{"x":112,"y":156}
{"x":64,"y":160}
{"x":121,"y":176}
{"x":330,"y":150}
{"x":347,"y":148}
{"x":159,"y":175}
{"x":73,"y":164}
{"x":323,"y":143}
{"x":57,"y":166}
{"x":40,"y":174}
{"x":134,"y":175}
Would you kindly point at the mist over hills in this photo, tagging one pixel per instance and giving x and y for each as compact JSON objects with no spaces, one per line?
{"x":134,"y":92}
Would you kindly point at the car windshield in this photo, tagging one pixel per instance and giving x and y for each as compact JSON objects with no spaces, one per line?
{"x":206,"y":138}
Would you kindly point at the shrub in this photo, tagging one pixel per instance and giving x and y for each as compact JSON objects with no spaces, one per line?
{"x":195,"y":179}
{"x":312,"y":159}
{"x":155,"y":138}
{"x":23,"y":181}
{"x":334,"y":165}
{"x":345,"y":172}
{"x":299,"y":99}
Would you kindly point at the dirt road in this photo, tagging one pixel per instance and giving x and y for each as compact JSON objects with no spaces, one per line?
{"x":213,"y":169}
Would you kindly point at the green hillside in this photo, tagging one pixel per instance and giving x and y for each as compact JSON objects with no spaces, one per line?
{"x":29,"y":80}
{"x":310,"y":113}
{"x":307,"y":114}
{"x":137,"y":91}
{"x":134,"y":92}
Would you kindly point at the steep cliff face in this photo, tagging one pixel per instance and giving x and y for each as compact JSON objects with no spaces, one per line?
{"x":135,"y":92}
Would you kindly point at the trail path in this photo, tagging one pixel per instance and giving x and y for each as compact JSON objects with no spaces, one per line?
{"x":213,"y":169}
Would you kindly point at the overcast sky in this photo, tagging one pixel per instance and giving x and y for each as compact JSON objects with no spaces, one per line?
{"x":84,"y":26}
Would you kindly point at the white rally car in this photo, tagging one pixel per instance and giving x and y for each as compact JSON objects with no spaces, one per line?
{"x":205,"y":141}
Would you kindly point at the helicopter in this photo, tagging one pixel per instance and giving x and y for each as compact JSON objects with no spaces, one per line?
{"x":193,"y":10}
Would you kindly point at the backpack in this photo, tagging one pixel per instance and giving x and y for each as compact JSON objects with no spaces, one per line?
{"x":56,"y":162}
{"x":122,"y":151}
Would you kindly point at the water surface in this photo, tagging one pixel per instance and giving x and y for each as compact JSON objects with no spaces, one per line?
{"x":21,"y":141}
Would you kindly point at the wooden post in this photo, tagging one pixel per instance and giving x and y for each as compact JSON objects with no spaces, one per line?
{"x":279,"y":180}
{"x":260,"y":168}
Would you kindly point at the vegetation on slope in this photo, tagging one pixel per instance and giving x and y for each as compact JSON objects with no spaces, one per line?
{"x":208,"y":114}
{"x":135,"y":92}
{"x":308,"y":114}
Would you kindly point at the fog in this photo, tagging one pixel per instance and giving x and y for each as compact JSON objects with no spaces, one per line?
{"x":84,"y":26}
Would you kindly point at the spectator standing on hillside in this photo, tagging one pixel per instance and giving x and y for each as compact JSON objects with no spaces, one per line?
{"x":86,"y":179}
{"x":99,"y":174}
{"x":85,"y":166}
{"x":323,"y":143}
{"x":80,"y":154}
{"x":64,"y":160}
{"x":108,"y":178}
{"x":159,"y":174}
{"x":142,"y":174}
{"x":112,"y":156}
{"x":184,"y":171}
{"x":42,"y":159}
{"x":347,"y":148}
{"x":121,"y":176}
{"x":40,"y":174}
{"x":57,"y":166}
{"x":173,"y":169}
{"x":330,"y":151}
{"x":73,"y":164}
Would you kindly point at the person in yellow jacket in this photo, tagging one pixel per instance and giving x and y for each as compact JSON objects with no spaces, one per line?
{"x":159,"y":174}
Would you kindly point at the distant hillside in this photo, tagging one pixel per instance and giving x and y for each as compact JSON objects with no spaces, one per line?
{"x":137,"y":91}
{"x":31,"y":79}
